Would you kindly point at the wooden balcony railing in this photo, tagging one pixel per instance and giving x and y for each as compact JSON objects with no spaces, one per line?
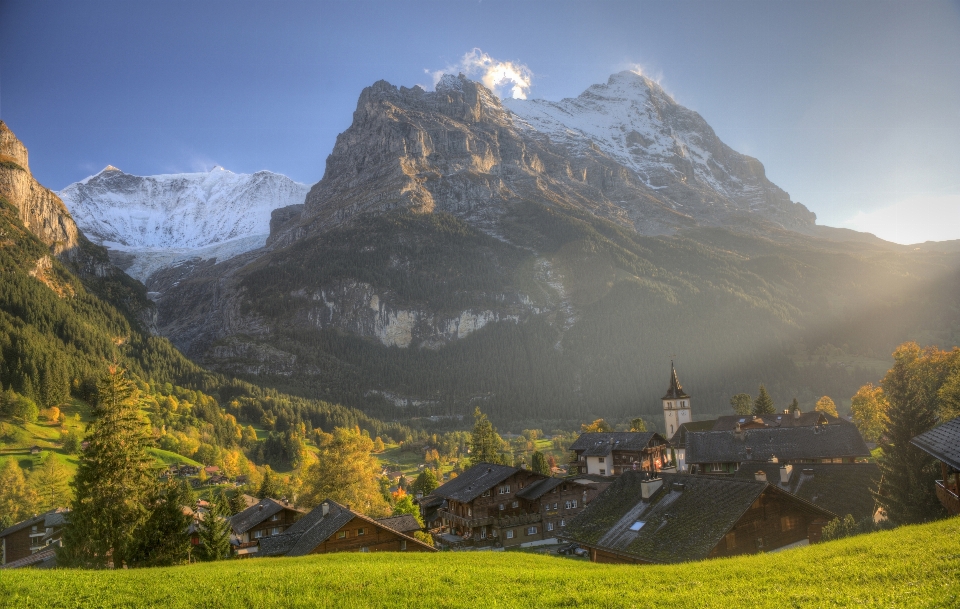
{"x":948,"y":498}
{"x":505,"y":521}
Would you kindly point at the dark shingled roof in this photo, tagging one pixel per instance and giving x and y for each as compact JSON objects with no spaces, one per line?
{"x":470,"y":484}
{"x":255,"y":514}
{"x":44,"y":559}
{"x":404,"y":523}
{"x":942,"y":443}
{"x":675,"y":391}
{"x":785,"y":443}
{"x":683,"y":521}
{"x":842,"y":488}
{"x":599,"y":444}
{"x":679,"y":439}
{"x":315,"y":528}
{"x":540,"y":488}
{"x":806,"y":419}
{"x":53,"y":518}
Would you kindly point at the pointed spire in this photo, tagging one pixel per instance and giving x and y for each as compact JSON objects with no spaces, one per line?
{"x":675,"y":391}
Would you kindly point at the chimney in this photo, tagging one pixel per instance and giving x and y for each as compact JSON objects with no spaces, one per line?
{"x":761,"y":476}
{"x":325,"y":507}
{"x":679,"y":486}
{"x":749,"y":451}
{"x":649,"y":487}
{"x":796,"y":414}
{"x":773,"y":459}
{"x":808,"y":471}
{"x":785,"y":471}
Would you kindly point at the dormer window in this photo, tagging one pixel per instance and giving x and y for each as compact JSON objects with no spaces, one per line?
{"x":636,"y":526}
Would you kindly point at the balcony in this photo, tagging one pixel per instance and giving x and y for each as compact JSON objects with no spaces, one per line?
{"x":948,"y":498}
{"x":506,"y":521}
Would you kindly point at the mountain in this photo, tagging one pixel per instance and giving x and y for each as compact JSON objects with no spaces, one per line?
{"x":539,"y":260}
{"x":154,"y":221}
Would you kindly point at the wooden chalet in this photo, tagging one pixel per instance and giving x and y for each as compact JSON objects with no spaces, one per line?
{"x":611,"y":454}
{"x":498,"y":505}
{"x":724,"y":452}
{"x":841,"y":488}
{"x":267,"y":518}
{"x":31,"y":536}
{"x":331,"y":527}
{"x":675,"y":518}
{"x":943,"y":444}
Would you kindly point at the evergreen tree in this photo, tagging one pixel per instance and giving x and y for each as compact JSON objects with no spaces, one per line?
{"x":485,"y":443}
{"x":764,"y":403}
{"x":17,"y":500}
{"x":540,"y":465}
{"x":272,"y":485}
{"x":51,"y":482}
{"x":910,"y":388}
{"x":237,"y":503}
{"x":794,"y":406}
{"x":214,"y":530}
{"x":425,"y":483}
{"x":742,"y":403}
{"x":113,"y":486}
{"x":164,"y":539}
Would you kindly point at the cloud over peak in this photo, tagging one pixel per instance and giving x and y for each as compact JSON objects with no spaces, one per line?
{"x":505,"y":78}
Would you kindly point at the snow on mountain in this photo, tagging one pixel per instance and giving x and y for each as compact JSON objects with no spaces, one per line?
{"x":635,"y":122}
{"x":165,"y":218}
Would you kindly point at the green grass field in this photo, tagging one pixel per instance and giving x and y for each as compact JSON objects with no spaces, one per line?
{"x":917,"y":566}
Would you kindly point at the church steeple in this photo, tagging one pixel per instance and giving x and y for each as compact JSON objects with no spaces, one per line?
{"x":676,"y":405}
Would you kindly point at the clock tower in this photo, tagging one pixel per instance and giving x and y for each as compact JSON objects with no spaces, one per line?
{"x":676,"y":405}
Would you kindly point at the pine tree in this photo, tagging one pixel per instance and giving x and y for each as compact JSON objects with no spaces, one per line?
{"x":485,"y":443}
{"x":237,"y":503}
{"x":794,"y":406}
{"x":164,"y":539}
{"x":910,"y":388}
{"x":114,"y":484}
{"x":17,"y":499}
{"x":51,"y":482}
{"x":764,"y":403}
{"x":540,"y":465}
{"x":214,"y":530}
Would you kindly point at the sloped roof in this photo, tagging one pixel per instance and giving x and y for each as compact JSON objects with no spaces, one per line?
{"x":785,"y":443}
{"x":599,"y":444}
{"x":679,"y":438}
{"x":842,"y":488}
{"x":540,"y":488}
{"x":54,"y":517}
{"x":255,"y":514}
{"x":675,"y":391}
{"x":315,"y":528}
{"x":405,"y":523}
{"x":942,"y":443}
{"x":44,"y":558}
{"x":683,"y":521}
{"x":470,"y":484}
{"x":779,"y":419}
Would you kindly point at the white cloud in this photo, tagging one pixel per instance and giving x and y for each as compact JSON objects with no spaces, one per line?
{"x":501,"y":77}
{"x":915,"y":220}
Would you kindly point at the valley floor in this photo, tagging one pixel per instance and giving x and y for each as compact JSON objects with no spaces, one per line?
{"x":915,"y":566}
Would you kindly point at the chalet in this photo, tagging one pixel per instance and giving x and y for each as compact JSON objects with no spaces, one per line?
{"x":32,"y":535}
{"x":35,"y":450}
{"x":498,"y":505}
{"x":612,"y":453}
{"x":331,"y":527}
{"x":943,"y":444}
{"x":404,"y":523}
{"x":841,"y":488}
{"x":724,"y":452}
{"x":641,"y":519}
{"x":265,"y":519}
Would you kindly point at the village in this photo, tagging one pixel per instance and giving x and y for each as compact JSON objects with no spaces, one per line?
{"x":740,"y":484}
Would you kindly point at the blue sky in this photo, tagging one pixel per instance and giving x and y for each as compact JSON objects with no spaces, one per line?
{"x":853,"y":107}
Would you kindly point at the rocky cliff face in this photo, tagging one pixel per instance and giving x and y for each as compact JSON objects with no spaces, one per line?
{"x":41,"y":210}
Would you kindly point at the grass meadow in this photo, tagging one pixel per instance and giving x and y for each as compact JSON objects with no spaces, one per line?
{"x":915,"y":566}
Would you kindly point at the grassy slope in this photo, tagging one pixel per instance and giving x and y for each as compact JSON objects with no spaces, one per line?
{"x":916,"y":566}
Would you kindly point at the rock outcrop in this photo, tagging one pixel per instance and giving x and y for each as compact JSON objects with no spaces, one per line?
{"x":41,"y":211}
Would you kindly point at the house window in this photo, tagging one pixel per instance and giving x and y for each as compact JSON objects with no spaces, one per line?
{"x":483,"y":532}
{"x":573,"y":504}
{"x":501,"y":507}
{"x":759,"y":542}
{"x":275,"y":517}
{"x":510,"y":534}
{"x":566,"y":505}
{"x":364,"y":549}
{"x":563,"y":522}
{"x":549,"y":526}
{"x":788,"y":523}
{"x":469,"y":511}
{"x":403,"y":545}
{"x":531,"y":531}
{"x":342,"y":535}
{"x":515,"y":504}
{"x":716,"y":467}
{"x":361,"y":531}
{"x":555,"y":506}
{"x":258,"y":534}
{"x":275,"y":531}
{"x":486,"y":493}
{"x":671,"y":430}
{"x":603,"y":472}
{"x":601,"y":460}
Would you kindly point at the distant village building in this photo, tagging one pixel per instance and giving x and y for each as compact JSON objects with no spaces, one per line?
{"x":31,"y":536}
{"x":841,"y":488}
{"x":677,"y":408}
{"x":724,"y":452}
{"x":678,"y":518}
{"x":612,"y":453}
{"x":499,"y":505}
{"x":331,"y":527}
{"x":267,"y":518}
{"x":943,"y":444}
